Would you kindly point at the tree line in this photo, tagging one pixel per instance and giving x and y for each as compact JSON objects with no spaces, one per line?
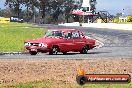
{"x":39,"y":10}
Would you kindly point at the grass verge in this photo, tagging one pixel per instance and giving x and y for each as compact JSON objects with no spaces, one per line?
{"x":13,"y":35}
{"x":48,"y":84}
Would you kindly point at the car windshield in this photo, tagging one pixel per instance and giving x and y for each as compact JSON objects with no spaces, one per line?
{"x":51,"y":33}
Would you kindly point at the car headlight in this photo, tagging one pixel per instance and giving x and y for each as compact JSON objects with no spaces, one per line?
{"x":43,"y":45}
{"x":27,"y":44}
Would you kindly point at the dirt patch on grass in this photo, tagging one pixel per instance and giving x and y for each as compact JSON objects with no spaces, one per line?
{"x":59,"y":71}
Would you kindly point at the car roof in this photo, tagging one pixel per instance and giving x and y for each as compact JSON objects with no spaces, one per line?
{"x":65,"y":30}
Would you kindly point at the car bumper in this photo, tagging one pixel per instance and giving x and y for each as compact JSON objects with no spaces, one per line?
{"x":38,"y":49}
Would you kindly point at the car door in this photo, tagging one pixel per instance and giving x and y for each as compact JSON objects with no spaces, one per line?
{"x":67,"y":43}
{"x":77,"y":40}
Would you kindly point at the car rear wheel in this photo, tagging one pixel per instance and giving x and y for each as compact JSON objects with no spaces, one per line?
{"x":32,"y":53}
{"x":54,"y":50}
{"x":84,"y":50}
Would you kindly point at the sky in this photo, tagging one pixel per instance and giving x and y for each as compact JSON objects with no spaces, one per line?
{"x":112,"y":6}
{"x":115,"y":6}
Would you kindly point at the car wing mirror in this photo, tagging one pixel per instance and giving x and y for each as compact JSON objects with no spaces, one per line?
{"x":83,"y":36}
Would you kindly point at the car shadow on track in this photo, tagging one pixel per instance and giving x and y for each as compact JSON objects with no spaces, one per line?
{"x":77,"y":53}
{"x":66,"y":54}
{"x":97,"y":52}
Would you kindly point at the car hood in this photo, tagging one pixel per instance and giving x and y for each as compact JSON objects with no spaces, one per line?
{"x":40,"y":40}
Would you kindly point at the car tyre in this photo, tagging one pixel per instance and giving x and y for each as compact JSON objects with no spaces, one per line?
{"x":54,"y":50}
{"x":84,"y":50}
{"x":33,"y":53}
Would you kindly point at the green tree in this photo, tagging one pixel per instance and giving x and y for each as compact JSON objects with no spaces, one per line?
{"x":52,"y":8}
{"x":55,"y":7}
{"x":129,"y":19}
{"x":15,"y":5}
{"x":31,"y":6}
{"x":5,"y":12}
{"x":118,"y":14}
{"x":42,"y":8}
{"x":116,"y":20}
{"x":69,"y":5}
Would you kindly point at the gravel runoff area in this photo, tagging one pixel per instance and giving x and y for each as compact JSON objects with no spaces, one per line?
{"x":59,"y":71}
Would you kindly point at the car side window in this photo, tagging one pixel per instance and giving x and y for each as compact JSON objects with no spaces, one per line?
{"x":68,"y":35}
{"x":75,"y":35}
{"x":57,"y":34}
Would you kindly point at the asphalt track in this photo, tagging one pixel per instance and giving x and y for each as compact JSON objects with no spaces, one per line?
{"x":117,"y":44}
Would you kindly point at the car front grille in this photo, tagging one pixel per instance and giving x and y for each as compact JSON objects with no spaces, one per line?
{"x":34,"y":44}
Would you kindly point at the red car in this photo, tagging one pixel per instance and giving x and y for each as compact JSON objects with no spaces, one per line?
{"x":60,"y":40}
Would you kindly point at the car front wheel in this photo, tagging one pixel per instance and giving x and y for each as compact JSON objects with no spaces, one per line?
{"x":84,"y":50}
{"x":54,"y":50}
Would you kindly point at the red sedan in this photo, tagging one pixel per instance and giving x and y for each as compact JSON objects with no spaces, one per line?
{"x":60,"y":40}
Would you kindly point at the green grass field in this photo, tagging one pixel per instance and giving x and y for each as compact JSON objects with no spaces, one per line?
{"x":44,"y":84}
{"x":12,"y":36}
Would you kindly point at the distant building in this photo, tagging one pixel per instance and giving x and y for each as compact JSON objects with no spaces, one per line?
{"x":89,"y":5}
{"x":122,"y":19}
{"x":87,"y":11}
